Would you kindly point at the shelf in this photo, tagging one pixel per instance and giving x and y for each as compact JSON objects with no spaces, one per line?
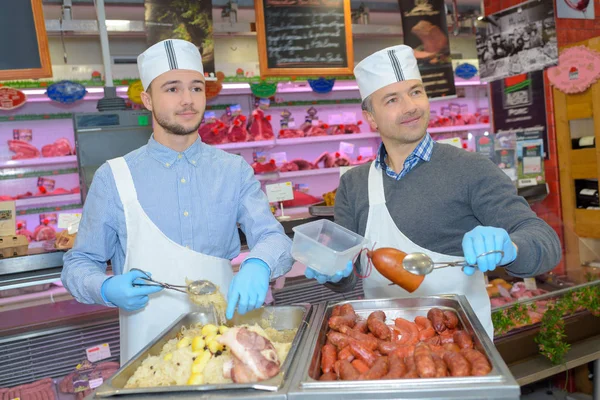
{"x":296,"y":174}
{"x":34,"y":162}
{"x":459,"y":128}
{"x":328,"y":138}
{"x":35,"y":117}
{"x":4,"y":175}
{"x":48,"y":201}
{"x":246,"y":145}
{"x":40,"y":210}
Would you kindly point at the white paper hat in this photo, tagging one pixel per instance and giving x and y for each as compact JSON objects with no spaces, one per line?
{"x":387,"y":66}
{"x":167,"y":55}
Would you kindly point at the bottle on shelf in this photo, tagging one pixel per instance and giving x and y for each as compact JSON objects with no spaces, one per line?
{"x":585,"y":142}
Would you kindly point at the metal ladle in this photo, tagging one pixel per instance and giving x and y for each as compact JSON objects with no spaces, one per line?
{"x":197,"y":288}
{"x":422,"y":264}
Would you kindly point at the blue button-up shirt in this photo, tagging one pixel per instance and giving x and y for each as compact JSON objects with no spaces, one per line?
{"x":196,"y":198}
{"x":421,"y":153}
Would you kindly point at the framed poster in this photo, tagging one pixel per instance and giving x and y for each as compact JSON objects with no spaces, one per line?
{"x":301,"y":37}
{"x":517,"y":40}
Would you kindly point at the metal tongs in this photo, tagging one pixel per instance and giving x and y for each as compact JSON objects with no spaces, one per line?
{"x":197,"y":288}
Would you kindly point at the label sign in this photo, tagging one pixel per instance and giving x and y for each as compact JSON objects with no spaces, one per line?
{"x":69,"y":221}
{"x":347,"y":148}
{"x":98,"y":353}
{"x":530,"y":283}
{"x":365,"y":152}
{"x":280,"y":192}
{"x":279,"y":158}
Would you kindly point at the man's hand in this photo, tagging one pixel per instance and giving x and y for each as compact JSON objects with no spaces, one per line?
{"x":312,"y":274}
{"x":484,"y":239}
{"x":119,"y":290}
{"x":249,"y":287}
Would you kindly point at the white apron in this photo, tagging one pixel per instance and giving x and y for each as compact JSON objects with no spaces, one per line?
{"x":382,"y":231}
{"x":150,"y":250}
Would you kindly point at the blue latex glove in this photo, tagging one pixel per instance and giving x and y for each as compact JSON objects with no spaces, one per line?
{"x":249,"y":287}
{"x":119,"y":290}
{"x":312,"y":274}
{"x":483,"y":239}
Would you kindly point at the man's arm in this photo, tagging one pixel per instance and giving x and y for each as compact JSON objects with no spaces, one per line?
{"x":495,"y":202}
{"x":84,"y":266}
{"x":266,"y":238}
{"x":344,"y":216}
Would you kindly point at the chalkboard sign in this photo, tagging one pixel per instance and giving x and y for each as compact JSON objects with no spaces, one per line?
{"x":304,"y":37}
{"x":24,"y":50}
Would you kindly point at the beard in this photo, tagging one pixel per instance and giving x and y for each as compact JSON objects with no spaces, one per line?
{"x":175,"y":128}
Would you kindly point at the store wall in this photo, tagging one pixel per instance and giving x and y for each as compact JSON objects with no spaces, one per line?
{"x":568,"y":31}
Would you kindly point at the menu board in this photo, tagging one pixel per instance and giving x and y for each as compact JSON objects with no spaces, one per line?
{"x":23,"y":41}
{"x":304,"y":37}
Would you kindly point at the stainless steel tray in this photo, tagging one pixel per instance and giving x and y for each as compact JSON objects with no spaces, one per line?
{"x":498,"y":384}
{"x":320,"y":210}
{"x":280,"y":318}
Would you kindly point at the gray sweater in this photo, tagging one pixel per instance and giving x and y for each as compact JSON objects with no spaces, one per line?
{"x":439,"y":201}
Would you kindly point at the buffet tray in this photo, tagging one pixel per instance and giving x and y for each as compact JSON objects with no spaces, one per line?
{"x":279,"y":318}
{"x":498,"y":384}
{"x":321,"y":210}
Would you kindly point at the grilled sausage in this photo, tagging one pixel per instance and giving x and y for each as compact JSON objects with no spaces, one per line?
{"x":425,"y":326}
{"x":424,"y":361}
{"x":329,"y":376}
{"x":360,"y":366}
{"x":457,"y":364}
{"x":480,"y":365}
{"x":337,"y":311}
{"x":367,"y":340}
{"x":377,"y":326}
{"x":346,"y":354}
{"x":451,"y":347}
{"x":397,"y":367}
{"x":450,"y":319}
{"x":348,"y":372}
{"x":436,"y":316}
{"x":328,"y":357}
{"x":463,"y":339}
{"x":362,"y":353}
{"x":377,"y":371}
{"x":361,"y":326}
{"x":338,"y":339}
{"x":408,"y":330}
{"x":436,"y":341}
{"x":411,"y":368}
{"x":441,"y":369}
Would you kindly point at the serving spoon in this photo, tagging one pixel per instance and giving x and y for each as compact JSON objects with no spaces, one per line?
{"x":422,"y":264}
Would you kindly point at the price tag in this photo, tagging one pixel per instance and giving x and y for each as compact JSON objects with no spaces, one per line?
{"x":94,"y":383}
{"x":291,"y":123}
{"x":347,"y":148}
{"x":343,"y":170}
{"x":526,"y":182}
{"x":98,"y":353}
{"x":365,"y":152}
{"x":7,"y":218}
{"x":280,"y":192}
{"x":456,"y":142}
{"x":68,"y":220}
{"x":315,"y":122}
{"x":280,"y":157}
{"x":335,"y":119}
{"x":349,"y":118}
{"x":530,"y":283}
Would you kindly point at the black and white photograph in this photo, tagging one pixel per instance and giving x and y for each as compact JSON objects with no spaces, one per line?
{"x":517,"y":40}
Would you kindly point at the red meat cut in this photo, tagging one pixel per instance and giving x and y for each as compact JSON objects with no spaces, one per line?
{"x":297,"y":165}
{"x":213,"y":133}
{"x":61,"y":147}
{"x":44,"y":232}
{"x":23,"y":150}
{"x":290,"y":133}
{"x":264,"y":168}
{"x":260,"y":126}
{"x":237,"y":131}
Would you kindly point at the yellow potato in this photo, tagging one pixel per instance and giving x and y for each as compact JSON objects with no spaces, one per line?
{"x":201,"y":362}
{"x":210,"y":338}
{"x":214,"y":345}
{"x":223,"y":329}
{"x":196,"y":379}
{"x":209,"y":329}
{"x":186,"y":341}
{"x":168,"y":357}
{"x":198,"y":343}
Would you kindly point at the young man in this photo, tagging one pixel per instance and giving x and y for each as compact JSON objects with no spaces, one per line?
{"x":433,"y":198}
{"x":171,"y":209}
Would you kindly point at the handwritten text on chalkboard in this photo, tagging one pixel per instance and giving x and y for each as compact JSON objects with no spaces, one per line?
{"x":303,"y":33}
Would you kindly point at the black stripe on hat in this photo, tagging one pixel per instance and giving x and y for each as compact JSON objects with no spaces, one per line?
{"x":171,"y":57}
{"x":396,"y":65}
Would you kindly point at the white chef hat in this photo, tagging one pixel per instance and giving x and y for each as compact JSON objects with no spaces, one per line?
{"x":387,"y":66}
{"x":167,"y":55}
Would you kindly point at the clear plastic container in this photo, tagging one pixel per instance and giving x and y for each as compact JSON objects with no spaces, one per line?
{"x":325,"y":246}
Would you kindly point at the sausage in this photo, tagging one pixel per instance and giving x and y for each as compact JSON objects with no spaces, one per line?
{"x":329,"y":376}
{"x":328,"y":357}
{"x":360,"y":366}
{"x":345,"y":354}
{"x":480,"y":365}
{"x":377,"y":371}
{"x":424,"y":361}
{"x":388,"y":261}
{"x":441,"y":369}
{"x":367,"y":340}
{"x":362,"y":353}
{"x":397,"y":367}
{"x":425,"y":326}
{"x":342,"y":320}
{"x":406,"y":351}
{"x":457,"y":364}
{"x":436,"y":316}
{"x":451,"y":347}
{"x":348,"y":372}
{"x":347,"y":309}
{"x":409,"y":331}
{"x":436,"y":341}
{"x":338,"y":339}
{"x":377,"y":326}
{"x":450,"y":319}
{"x":336,"y":311}
{"x":336,"y":368}
{"x":361,"y":326}
{"x":411,"y":368}
{"x":447,"y":336}
{"x":463,"y":339}
{"x":387,"y":347}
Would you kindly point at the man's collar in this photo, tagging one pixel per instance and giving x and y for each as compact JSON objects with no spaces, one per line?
{"x":168,"y":157}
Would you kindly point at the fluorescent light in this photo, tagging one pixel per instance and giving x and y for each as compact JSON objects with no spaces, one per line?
{"x":233,"y":86}
{"x":469,"y":136}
